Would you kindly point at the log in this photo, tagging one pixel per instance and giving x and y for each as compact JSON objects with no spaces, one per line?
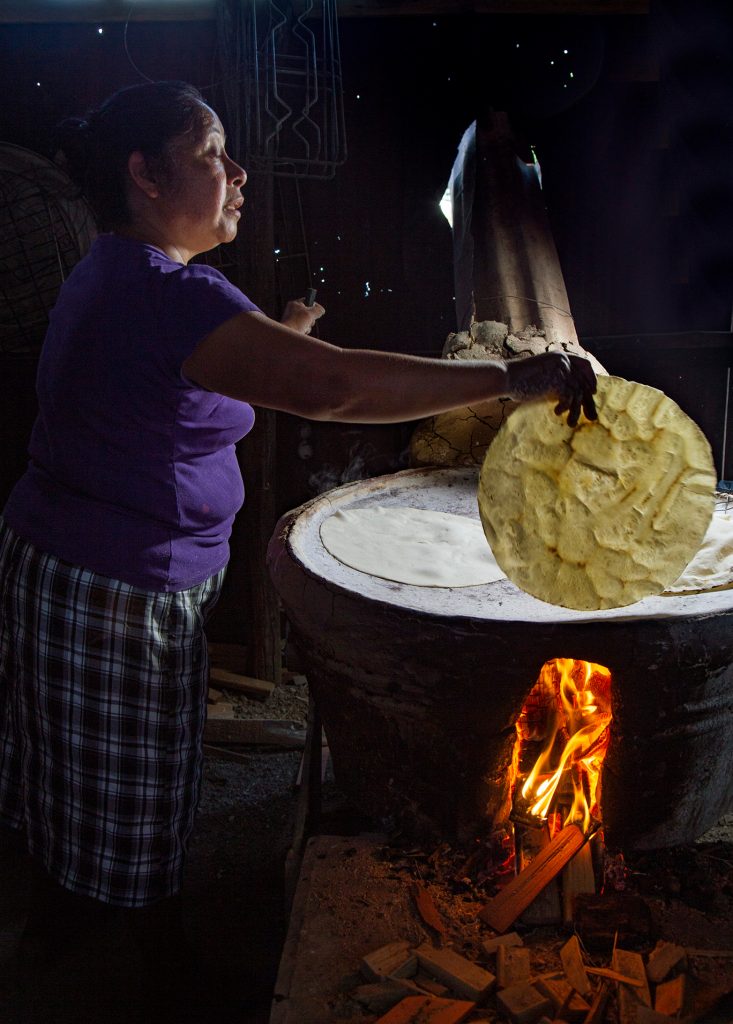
{"x":599,"y":919}
{"x":505,"y":908}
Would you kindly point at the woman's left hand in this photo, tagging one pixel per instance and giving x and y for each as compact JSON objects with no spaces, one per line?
{"x":300,"y":317}
{"x":567,"y":377}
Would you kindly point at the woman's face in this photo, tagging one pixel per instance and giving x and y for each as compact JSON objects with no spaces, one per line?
{"x":202,"y":202}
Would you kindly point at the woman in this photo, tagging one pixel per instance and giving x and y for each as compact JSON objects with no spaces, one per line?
{"x":115,"y":541}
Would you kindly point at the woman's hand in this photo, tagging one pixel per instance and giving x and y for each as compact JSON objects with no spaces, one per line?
{"x":300,"y":317}
{"x":569,"y":378}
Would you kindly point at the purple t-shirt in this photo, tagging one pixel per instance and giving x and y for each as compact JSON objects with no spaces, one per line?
{"x":133,"y":470}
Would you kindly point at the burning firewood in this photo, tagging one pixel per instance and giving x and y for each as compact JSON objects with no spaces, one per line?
{"x":505,"y":908}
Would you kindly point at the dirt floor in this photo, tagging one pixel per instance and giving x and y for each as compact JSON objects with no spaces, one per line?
{"x":236,"y":909}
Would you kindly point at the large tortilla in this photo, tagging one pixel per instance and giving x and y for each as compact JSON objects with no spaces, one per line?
{"x":411,"y":545}
{"x":603,"y":514}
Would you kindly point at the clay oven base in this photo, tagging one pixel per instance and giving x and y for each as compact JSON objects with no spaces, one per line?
{"x":419,"y":688}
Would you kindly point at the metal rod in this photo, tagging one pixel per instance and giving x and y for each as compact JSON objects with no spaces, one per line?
{"x":725,"y":424}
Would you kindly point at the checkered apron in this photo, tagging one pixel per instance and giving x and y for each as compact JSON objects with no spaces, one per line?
{"x":102,"y":710}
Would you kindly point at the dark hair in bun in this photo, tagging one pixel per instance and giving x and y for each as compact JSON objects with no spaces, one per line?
{"x":95,"y":150}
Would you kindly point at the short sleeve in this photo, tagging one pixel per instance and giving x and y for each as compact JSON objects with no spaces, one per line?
{"x":197,"y":299}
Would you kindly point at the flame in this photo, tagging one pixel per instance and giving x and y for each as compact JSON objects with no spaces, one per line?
{"x":570,"y":702}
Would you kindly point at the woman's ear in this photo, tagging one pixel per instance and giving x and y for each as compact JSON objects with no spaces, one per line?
{"x":142,"y":176}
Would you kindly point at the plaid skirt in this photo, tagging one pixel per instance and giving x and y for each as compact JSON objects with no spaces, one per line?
{"x":102,"y":710}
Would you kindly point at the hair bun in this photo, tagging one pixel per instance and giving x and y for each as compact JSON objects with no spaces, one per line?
{"x":72,"y":146}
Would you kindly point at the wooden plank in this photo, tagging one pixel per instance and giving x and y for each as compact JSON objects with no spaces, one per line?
{"x":382,"y":962}
{"x":462,"y":976}
{"x":606,"y":972}
{"x":631,"y":964}
{"x":259,"y":689}
{"x":546,"y":907}
{"x":663,"y":959}
{"x":491,"y":946}
{"x":308,"y":807}
{"x":380,"y":996}
{"x":427,"y":1010}
{"x":512,"y":966}
{"x":505,"y":908}
{"x":255,"y":732}
{"x":572,"y":963}
{"x":577,"y":877}
{"x":597,"y":1012}
{"x":427,"y":909}
{"x":567,"y":1003}
{"x":220,"y":709}
{"x":670,"y":997}
{"x":523,"y":1004}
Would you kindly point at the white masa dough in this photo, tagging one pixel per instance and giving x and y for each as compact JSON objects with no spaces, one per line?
{"x":411,"y":545}
{"x":712,"y":566}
